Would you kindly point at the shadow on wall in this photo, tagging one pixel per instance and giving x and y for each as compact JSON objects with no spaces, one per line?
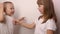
{"x":57,"y":10}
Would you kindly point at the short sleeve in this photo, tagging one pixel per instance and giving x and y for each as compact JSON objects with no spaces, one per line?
{"x":51,"y":25}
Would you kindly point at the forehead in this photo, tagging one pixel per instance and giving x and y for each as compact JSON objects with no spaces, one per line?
{"x":9,"y":4}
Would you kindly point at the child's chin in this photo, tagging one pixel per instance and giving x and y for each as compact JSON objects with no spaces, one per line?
{"x":12,"y":14}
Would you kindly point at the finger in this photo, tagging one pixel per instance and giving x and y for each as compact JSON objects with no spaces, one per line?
{"x":21,"y":18}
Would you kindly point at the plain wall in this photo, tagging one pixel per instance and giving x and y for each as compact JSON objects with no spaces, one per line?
{"x":28,"y":9}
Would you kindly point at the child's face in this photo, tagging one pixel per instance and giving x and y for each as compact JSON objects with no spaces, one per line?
{"x":9,"y":9}
{"x":41,"y":9}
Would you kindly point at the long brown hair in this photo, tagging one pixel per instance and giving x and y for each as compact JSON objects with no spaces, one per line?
{"x":48,"y":10}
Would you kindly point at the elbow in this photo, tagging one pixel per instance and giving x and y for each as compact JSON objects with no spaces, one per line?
{"x":1,"y":20}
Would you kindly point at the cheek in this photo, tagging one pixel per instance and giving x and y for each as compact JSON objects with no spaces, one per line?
{"x":41,"y":9}
{"x":8,"y":11}
{"x":12,"y":11}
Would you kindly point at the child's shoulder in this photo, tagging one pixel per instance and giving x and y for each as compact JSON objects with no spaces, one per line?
{"x":51,"y":21}
{"x":8,"y":17}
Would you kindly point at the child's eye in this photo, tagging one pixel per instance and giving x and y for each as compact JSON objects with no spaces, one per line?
{"x":12,"y":8}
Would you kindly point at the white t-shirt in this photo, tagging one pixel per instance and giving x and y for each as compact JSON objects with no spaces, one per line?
{"x":3,"y":28}
{"x":42,"y":28}
{"x":9,"y":22}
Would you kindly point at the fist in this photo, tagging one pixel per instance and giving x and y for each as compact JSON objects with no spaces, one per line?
{"x":15,"y":21}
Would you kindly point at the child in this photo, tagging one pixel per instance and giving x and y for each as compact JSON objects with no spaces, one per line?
{"x":46,"y":23}
{"x":9,"y":11}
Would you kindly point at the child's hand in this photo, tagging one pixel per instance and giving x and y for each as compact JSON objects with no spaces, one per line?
{"x":16,"y":21}
{"x":21,"y":19}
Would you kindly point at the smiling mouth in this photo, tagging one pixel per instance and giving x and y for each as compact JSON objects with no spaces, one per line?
{"x":12,"y":12}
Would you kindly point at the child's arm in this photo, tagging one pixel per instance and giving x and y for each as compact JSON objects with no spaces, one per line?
{"x":50,"y":32}
{"x":30,"y":26}
{"x":21,"y":22}
{"x":1,"y":13}
{"x":16,"y":21}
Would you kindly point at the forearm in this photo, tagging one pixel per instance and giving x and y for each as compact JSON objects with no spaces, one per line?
{"x":30,"y":26}
{"x":50,"y":32}
{"x":1,"y":12}
{"x":22,"y":22}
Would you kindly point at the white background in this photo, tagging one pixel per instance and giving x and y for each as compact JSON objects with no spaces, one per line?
{"x":28,"y":9}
